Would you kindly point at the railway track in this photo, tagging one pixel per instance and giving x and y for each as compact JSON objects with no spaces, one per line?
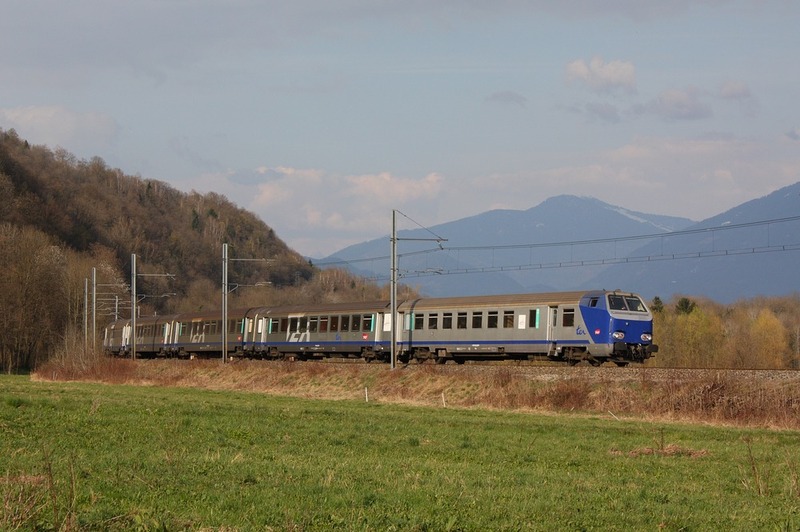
{"x":550,"y":372}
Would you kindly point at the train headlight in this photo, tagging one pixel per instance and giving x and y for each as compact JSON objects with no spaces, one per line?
{"x":647,"y":337}
{"x":618,"y":335}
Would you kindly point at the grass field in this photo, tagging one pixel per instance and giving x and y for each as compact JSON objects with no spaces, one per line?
{"x":77,"y":456}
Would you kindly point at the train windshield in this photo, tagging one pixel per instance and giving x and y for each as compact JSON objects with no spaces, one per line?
{"x":630,"y":302}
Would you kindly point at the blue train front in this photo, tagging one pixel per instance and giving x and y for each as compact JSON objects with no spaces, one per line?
{"x":620,"y":325}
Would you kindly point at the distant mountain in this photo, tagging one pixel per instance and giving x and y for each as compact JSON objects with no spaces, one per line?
{"x":726,"y":257}
{"x":570,"y":242}
{"x":504,"y":251}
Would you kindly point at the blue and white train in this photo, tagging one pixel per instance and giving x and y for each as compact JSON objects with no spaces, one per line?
{"x":594,"y":326}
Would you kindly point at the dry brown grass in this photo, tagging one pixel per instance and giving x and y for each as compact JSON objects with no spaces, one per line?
{"x":720,"y":398}
{"x":668,"y":450}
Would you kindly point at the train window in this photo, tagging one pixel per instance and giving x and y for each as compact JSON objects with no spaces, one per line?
{"x":433,"y":321}
{"x":616,"y":302}
{"x":568,"y":317}
{"x":635,"y":304}
{"x":345,"y":326}
{"x":334,"y":323}
{"x":477,"y":320}
{"x":312,"y":323}
{"x":533,"y":321}
{"x":419,"y":321}
{"x":491,"y":319}
{"x":284,"y":324}
{"x":355,"y":322}
{"x":184,"y":329}
{"x":508,"y":319}
{"x":447,"y":320}
{"x":593,"y":302}
{"x":303,"y":324}
{"x":323,"y":324}
{"x":366,"y":323}
{"x":461,"y":320}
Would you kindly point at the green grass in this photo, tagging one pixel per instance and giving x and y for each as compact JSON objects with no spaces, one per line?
{"x":99,"y":457}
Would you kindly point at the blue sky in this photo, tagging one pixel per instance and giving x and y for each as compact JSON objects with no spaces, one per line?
{"x":322,"y":116}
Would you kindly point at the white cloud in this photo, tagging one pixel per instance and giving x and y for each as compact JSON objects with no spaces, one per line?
{"x":601,"y":76}
{"x":320,"y":212}
{"x":278,"y":185}
{"x":678,"y":104}
{"x":735,"y":90}
{"x":740,"y":93}
{"x":598,"y":112}
{"x":386,"y":189}
{"x":85,"y":133}
{"x":507,"y":98}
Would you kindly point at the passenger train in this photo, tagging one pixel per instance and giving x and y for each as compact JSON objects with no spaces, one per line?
{"x":594,"y":326}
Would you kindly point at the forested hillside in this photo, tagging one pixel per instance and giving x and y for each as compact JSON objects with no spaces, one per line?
{"x":61,"y":217}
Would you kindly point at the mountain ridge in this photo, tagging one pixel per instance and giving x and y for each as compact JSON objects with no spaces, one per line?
{"x":582,"y":242}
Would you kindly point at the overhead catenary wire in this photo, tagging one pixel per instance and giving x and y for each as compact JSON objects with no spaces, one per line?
{"x":769,"y":248}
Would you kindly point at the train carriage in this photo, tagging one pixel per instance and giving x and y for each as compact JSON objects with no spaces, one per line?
{"x":116,"y":337}
{"x":333,"y":330}
{"x":595,"y":326}
{"x":488,"y":327}
{"x":199,"y":335}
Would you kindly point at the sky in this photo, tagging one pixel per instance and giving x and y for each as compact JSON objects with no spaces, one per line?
{"x":322,"y":116}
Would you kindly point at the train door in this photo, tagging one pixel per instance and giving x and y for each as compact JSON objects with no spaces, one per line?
{"x":387,"y":328}
{"x":552,"y":331}
{"x":108,"y":339}
{"x":126,"y":336}
{"x":166,"y":329}
{"x":379,"y":326}
{"x":247,"y":332}
{"x":261,"y":330}
{"x":395,"y":329}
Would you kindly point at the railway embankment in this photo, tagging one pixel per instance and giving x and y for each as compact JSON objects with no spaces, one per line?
{"x":755,"y":398}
